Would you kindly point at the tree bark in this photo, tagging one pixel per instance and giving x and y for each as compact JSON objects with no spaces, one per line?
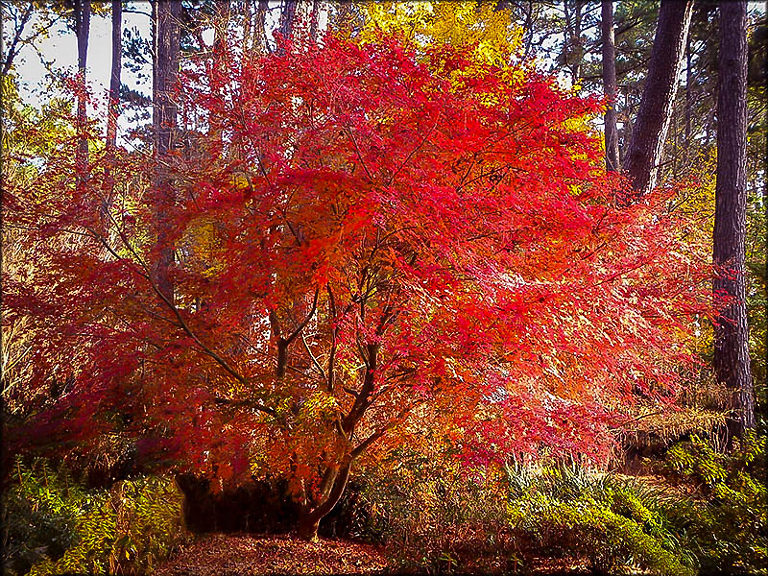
{"x":222,"y":15}
{"x":82,"y":29}
{"x":167,"y":37}
{"x":731,"y":357}
{"x":287,"y":16}
{"x":114,"y":102}
{"x":116,"y":71}
{"x":609,"y":86}
{"x":309,"y":517}
{"x":688,"y":99}
{"x":314,"y":21}
{"x":260,"y":28}
{"x":645,"y":149}
{"x":576,"y":44}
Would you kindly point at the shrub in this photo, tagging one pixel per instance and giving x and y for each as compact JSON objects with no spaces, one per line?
{"x":727,"y":526}
{"x":39,"y":516}
{"x":614,"y":524}
{"x":127,"y":528}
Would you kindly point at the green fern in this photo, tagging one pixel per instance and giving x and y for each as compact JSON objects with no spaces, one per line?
{"x":614,"y":524}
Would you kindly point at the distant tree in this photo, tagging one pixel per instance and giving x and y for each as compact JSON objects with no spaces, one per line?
{"x":115,"y":73}
{"x":167,"y":34}
{"x":82,"y":14}
{"x":113,"y":105}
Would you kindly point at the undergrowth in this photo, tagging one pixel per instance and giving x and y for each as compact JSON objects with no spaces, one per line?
{"x":54,"y":525}
{"x":614,"y":524}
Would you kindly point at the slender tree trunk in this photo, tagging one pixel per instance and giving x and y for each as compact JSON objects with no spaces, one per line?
{"x":116,"y":71}
{"x":167,"y":35}
{"x":114,"y":100}
{"x":220,"y":27}
{"x":643,"y":156}
{"x":220,"y":53}
{"x":609,"y":84}
{"x":260,"y":28}
{"x":576,"y":44}
{"x":287,"y":16}
{"x":731,"y":359}
{"x":247,"y":25}
{"x":688,"y":100}
{"x":82,"y":28}
{"x":313,"y":20}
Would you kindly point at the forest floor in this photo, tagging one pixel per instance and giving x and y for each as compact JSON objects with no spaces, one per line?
{"x":244,"y":554}
{"x":255,"y":555}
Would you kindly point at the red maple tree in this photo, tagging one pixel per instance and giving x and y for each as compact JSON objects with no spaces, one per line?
{"x":364,"y":236}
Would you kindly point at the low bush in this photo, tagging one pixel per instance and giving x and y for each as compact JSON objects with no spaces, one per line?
{"x":725,"y":525}
{"x":614,"y":524}
{"x":56,"y":526}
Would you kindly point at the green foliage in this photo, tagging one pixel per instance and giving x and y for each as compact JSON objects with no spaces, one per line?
{"x":727,"y":529}
{"x":58,"y":527}
{"x":39,"y":517}
{"x":614,"y":524}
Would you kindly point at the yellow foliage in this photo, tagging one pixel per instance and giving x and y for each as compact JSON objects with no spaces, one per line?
{"x":492,"y":33}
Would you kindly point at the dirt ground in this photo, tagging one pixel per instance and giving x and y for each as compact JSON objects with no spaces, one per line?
{"x":241,"y":555}
{"x":254,"y":555}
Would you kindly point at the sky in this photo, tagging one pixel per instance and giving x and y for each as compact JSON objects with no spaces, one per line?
{"x":61,"y":48}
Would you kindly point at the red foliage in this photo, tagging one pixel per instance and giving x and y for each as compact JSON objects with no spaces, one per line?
{"x":412,"y":230}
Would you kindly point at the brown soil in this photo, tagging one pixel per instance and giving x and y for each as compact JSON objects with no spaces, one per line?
{"x":241,"y":555}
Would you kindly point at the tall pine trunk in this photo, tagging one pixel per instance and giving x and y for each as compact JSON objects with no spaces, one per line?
{"x":82,"y":29}
{"x":643,"y":157}
{"x":166,"y":16}
{"x":287,"y":17}
{"x":609,"y":86}
{"x":731,"y":359}
{"x":260,"y":40}
{"x":115,"y":74}
{"x":314,"y":18}
{"x":114,"y":100}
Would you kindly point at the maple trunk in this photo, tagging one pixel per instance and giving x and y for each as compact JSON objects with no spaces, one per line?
{"x":310,"y":517}
{"x":643,"y":155}
{"x":731,"y":357}
{"x":609,"y":85}
{"x":167,"y":37}
{"x":308,"y":527}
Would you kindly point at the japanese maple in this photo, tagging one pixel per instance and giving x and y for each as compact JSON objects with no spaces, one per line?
{"x":364,"y":237}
